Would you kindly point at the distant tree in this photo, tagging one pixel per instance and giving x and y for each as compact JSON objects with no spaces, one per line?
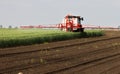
{"x":1,"y":26}
{"x":10,"y":26}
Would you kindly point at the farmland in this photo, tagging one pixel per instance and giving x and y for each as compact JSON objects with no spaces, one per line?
{"x":17,"y":37}
{"x":94,"y":55}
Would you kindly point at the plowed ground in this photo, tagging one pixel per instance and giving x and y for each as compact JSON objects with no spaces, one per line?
{"x":97,"y":55}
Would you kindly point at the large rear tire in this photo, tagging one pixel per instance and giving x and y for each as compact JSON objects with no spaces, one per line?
{"x":81,"y":29}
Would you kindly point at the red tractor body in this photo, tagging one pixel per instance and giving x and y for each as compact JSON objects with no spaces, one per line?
{"x":72,"y":24}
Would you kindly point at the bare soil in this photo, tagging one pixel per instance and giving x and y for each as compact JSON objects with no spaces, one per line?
{"x":97,"y":55}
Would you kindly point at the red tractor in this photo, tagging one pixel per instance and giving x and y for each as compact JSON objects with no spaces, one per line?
{"x":72,"y":24}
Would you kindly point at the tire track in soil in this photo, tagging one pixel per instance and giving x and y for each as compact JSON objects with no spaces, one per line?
{"x":78,"y":69}
{"x":113,"y":70}
{"x":88,"y":59}
{"x":55,"y":59}
{"x":98,"y":69}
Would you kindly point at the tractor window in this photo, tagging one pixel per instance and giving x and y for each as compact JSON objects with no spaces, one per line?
{"x":79,"y":20}
{"x":69,"y":19}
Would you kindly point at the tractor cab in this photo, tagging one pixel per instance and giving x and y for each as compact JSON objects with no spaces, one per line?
{"x":72,"y":24}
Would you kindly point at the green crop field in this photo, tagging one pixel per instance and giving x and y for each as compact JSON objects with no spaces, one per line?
{"x":17,"y":37}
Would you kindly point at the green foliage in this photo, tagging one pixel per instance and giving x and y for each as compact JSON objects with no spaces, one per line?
{"x":17,"y":37}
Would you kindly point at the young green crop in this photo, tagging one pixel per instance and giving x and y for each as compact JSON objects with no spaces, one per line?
{"x":17,"y":37}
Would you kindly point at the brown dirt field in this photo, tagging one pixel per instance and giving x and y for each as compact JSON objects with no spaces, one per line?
{"x":97,"y":55}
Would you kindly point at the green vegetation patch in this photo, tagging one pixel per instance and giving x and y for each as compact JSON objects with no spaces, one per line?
{"x":18,"y":37}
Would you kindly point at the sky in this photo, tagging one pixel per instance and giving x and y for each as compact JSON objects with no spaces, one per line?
{"x":36,"y":12}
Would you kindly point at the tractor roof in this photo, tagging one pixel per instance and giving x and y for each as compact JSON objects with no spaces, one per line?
{"x":71,"y":16}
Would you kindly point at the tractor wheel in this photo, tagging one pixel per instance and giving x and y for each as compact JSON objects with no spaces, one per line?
{"x":81,"y":29}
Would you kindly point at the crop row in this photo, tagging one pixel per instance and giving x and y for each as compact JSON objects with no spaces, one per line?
{"x":18,"y":37}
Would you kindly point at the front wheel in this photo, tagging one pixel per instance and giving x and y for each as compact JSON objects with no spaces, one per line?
{"x":81,"y":29}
